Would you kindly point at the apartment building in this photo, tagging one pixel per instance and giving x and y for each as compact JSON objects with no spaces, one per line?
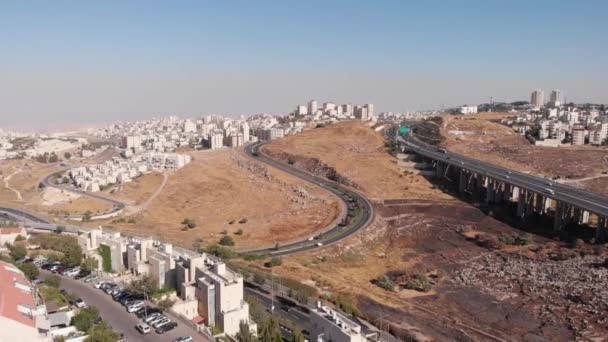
{"x":329,"y":325}
{"x":91,"y":241}
{"x":22,"y":313}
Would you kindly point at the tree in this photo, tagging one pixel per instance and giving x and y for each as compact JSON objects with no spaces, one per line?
{"x":146,"y":284}
{"x":190,"y":223}
{"x":67,"y":155}
{"x":30,"y":270}
{"x":86,"y":217}
{"x":90,"y":264}
{"x":226,"y":241}
{"x":102,"y":333}
{"x":72,"y":255}
{"x":20,"y":238}
{"x":17,"y":251}
{"x":85,"y":319}
{"x":385,"y":283}
{"x":165,"y":304}
{"x":244,"y":334}
{"x":270,"y":331}
{"x":53,"y":281}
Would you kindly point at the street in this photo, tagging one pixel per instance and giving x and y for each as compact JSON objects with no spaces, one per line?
{"x":117,"y":316}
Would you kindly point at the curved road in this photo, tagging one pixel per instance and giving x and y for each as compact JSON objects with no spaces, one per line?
{"x":360,"y":210}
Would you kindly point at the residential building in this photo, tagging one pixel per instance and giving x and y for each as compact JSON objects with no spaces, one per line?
{"x":22,"y":313}
{"x":468,"y":109}
{"x":312,"y":107}
{"x":216,"y":140}
{"x":578,"y":135}
{"x":537,"y":100}
{"x":329,"y":325}
{"x":556,"y":98}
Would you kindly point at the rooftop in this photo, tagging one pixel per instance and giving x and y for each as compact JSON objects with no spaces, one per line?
{"x":13,"y":296}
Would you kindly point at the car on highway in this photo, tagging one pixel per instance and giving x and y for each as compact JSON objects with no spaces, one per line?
{"x":166,"y":327}
{"x":550,"y":191}
{"x":183,"y":339}
{"x":143,"y":328}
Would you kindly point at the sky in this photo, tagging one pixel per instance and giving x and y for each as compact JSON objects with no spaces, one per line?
{"x":74,"y":63}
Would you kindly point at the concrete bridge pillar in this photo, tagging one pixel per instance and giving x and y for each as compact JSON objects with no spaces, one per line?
{"x":558,"y":222}
{"x":601,"y":232}
{"x":548,"y":203}
{"x":584,"y":217}
{"x":529,"y":198}
{"x":521,"y":203}
{"x":489,"y":190}
{"x":540,"y":204}
{"x":462,"y":181}
{"x":506,"y":192}
{"x":516,"y":193}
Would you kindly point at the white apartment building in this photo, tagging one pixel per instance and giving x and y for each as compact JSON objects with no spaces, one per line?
{"x":578,"y":135}
{"x":468,"y":109}
{"x":216,"y":140}
{"x":537,"y":99}
{"x":270,"y":133}
{"x":91,"y":241}
{"x":312,"y":107}
{"x":329,"y":325}
{"x":556,"y":98}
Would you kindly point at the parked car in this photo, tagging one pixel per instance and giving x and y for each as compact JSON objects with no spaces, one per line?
{"x":152,"y":317}
{"x":80,"y":304}
{"x":135,"y":306}
{"x":156,"y":319}
{"x":166,"y":327}
{"x":91,"y":279}
{"x":147,"y":311}
{"x":99,"y":284}
{"x":183,"y":339}
{"x":143,"y":328}
{"x":82,"y":274}
{"x":160,"y":323}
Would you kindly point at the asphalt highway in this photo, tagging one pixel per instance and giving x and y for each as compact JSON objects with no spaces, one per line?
{"x":579,"y":198}
{"x":361,"y":212}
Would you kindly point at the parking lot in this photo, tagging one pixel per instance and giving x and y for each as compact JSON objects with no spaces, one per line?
{"x":117,"y":316}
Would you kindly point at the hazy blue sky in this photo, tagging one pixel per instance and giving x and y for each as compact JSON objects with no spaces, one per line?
{"x":76,"y":62}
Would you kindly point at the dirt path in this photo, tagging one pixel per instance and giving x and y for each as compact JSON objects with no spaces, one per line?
{"x":578,"y":180}
{"x":131,"y":210}
{"x":7,"y":185}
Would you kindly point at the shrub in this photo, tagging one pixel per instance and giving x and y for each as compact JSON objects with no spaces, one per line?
{"x":17,"y":251}
{"x":274,"y":261}
{"x":418,"y":282}
{"x":239,"y":232}
{"x":106,"y":258}
{"x":221,"y":251}
{"x":226,"y":241}
{"x":53,"y":281}
{"x":29,"y":269}
{"x":85,"y":319}
{"x":243,"y":220}
{"x":385,"y":283}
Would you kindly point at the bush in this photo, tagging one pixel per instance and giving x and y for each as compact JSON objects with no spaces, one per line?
{"x":275,"y":261}
{"x":221,"y":251}
{"x":243,"y":220}
{"x":17,"y":251}
{"x":189,"y":223}
{"x":85,"y":319}
{"x":385,"y":283}
{"x":239,"y":232}
{"x":515,"y":239}
{"x":30,"y":270}
{"x":68,"y":245}
{"x":418,"y":282}
{"x":53,"y":281}
{"x":226,"y":241}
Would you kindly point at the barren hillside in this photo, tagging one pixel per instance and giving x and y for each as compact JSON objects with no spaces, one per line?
{"x":226,"y":191}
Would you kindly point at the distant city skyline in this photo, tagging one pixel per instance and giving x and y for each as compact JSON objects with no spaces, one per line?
{"x":66,"y":64}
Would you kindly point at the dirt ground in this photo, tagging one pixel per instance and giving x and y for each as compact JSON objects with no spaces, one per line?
{"x":226,"y":191}
{"x":138,"y":190}
{"x":433,"y":235}
{"x":481,"y":136}
{"x":358,"y":153}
